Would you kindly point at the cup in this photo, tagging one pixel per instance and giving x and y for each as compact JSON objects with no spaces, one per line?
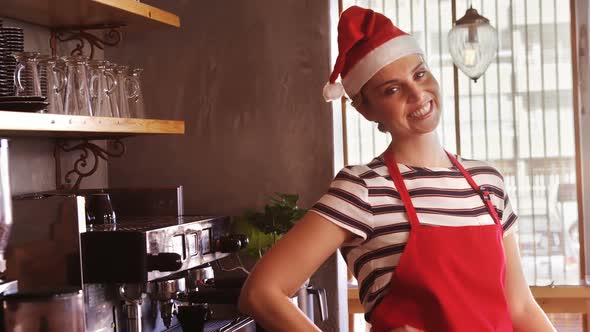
{"x":113,"y":96}
{"x":136,"y":106}
{"x":193,"y":317}
{"x":56,"y":82}
{"x":27,"y":81}
{"x":102,"y":87}
{"x":127,"y":90}
{"x":77,"y":91}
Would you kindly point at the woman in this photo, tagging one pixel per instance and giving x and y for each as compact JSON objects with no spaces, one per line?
{"x":429,"y":238}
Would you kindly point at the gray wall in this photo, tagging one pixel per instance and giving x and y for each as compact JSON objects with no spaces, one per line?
{"x":246,"y":77}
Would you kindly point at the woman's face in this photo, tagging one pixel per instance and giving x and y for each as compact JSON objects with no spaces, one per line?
{"x":404,"y":97}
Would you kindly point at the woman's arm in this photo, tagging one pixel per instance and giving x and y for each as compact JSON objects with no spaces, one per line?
{"x":284,"y":268}
{"x":525,"y":312}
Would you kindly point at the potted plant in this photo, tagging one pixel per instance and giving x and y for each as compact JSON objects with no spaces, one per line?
{"x":266,"y":227}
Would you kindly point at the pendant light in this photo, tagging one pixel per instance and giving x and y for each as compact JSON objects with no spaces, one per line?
{"x":473,"y":43}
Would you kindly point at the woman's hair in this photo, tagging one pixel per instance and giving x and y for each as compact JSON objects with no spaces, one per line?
{"x":360,"y":99}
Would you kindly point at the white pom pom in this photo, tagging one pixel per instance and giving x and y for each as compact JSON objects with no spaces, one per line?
{"x":333,"y":91}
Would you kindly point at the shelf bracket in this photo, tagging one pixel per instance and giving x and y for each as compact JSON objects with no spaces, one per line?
{"x":87,"y":162}
{"x":112,"y":37}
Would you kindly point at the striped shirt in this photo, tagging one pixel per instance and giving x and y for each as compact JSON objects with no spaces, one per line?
{"x":364,"y":200}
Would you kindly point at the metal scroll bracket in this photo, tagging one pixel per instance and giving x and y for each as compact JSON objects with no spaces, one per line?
{"x":112,"y":37}
{"x":87,"y":162}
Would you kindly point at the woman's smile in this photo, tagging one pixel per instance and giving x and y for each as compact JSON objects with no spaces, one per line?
{"x":425,"y":111}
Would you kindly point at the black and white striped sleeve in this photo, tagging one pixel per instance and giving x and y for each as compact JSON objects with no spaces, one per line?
{"x":509,"y":217}
{"x":346,"y":204}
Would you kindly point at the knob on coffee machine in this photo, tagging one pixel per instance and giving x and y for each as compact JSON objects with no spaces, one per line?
{"x":231,"y":243}
{"x":164,"y":262}
{"x":244,"y":241}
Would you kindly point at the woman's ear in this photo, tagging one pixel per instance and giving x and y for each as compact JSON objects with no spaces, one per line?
{"x":365,"y":110}
{"x":362,"y":106}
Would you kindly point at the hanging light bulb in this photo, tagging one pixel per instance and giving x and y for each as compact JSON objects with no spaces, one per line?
{"x":473,"y":43}
{"x":470,"y":55}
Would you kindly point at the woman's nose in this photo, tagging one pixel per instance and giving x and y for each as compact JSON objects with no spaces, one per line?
{"x":414,"y":92}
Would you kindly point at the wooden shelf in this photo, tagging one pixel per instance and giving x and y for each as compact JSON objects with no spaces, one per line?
{"x":88,"y":13}
{"x":19,"y":124}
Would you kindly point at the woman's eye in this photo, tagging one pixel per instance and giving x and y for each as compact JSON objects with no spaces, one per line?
{"x":420,"y":74}
{"x":391,"y":90}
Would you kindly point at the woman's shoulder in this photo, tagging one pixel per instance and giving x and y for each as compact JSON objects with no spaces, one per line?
{"x":363,"y":171}
{"x":481,"y":167}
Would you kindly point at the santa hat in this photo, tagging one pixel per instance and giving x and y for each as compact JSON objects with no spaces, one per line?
{"x":367,"y":42}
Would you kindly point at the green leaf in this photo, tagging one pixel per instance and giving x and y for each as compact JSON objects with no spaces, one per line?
{"x":259,"y":240}
{"x":279,"y":215}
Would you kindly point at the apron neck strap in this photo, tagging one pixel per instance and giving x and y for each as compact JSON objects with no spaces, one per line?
{"x":483,"y":192}
{"x":398,"y":180}
{"x":400,"y":186}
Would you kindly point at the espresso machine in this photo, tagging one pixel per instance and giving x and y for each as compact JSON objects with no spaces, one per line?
{"x":151,"y":270}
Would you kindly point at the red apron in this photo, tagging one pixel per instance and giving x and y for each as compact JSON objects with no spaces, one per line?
{"x":448,"y":278}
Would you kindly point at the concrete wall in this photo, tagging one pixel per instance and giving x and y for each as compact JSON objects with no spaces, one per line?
{"x":246,"y":77}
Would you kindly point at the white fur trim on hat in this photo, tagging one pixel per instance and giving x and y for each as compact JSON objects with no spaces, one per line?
{"x":333,"y":91}
{"x":378,"y":58}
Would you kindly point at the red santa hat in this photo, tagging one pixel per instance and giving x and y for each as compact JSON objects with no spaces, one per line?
{"x":367,"y":42}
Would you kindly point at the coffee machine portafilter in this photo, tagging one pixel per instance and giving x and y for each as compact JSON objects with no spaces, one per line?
{"x":166,"y":292}
{"x":132,"y":295}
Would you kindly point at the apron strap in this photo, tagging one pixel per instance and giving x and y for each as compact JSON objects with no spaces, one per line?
{"x":405,"y":195}
{"x":484,"y":194}
{"x":398,"y":180}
